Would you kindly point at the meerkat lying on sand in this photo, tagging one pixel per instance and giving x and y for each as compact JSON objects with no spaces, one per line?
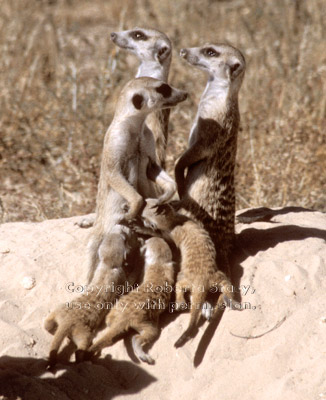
{"x":80,"y":319}
{"x":140,"y":309}
{"x":198,"y":272}
{"x":207,"y":191}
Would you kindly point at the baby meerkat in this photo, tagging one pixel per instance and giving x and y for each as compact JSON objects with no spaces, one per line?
{"x":129,"y":165}
{"x":154,"y":51}
{"x":79,"y":319}
{"x":198,"y":272}
{"x":207,"y":191}
{"x":140,"y":309}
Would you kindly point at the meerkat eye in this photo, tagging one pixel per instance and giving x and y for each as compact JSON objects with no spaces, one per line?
{"x":165,"y":90}
{"x":138,"y":35}
{"x":210,"y":52}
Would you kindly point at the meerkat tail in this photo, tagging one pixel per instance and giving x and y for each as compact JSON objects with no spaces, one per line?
{"x":197,"y":302}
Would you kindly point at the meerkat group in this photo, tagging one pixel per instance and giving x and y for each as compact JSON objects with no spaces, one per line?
{"x":133,"y":198}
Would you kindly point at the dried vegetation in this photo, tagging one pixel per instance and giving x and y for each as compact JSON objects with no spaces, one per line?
{"x":60,"y":76}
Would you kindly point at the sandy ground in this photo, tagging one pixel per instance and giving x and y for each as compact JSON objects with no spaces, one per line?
{"x":276,"y":349}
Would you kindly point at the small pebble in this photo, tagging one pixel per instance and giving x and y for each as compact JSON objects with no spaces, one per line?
{"x":287,"y":278}
{"x":28,"y":282}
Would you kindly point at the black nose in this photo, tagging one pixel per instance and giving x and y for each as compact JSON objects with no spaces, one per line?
{"x":113,"y":36}
{"x":183,"y":52}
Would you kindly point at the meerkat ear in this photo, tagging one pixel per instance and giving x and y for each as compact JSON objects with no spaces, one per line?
{"x":165,"y":90}
{"x":138,"y":101}
{"x":235,"y":70}
{"x":162,"y":53}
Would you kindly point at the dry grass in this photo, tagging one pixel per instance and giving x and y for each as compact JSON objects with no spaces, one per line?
{"x":60,"y":76}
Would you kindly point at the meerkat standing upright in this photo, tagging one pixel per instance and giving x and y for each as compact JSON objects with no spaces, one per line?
{"x":207,"y":191}
{"x":129,"y":166}
{"x":154,"y":51}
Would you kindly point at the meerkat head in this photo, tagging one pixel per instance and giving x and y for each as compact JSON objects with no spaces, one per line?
{"x":220,"y":61}
{"x":145,"y":95}
{"x":157,"y":216}
{"x":147,"y":44}
{"x":156,"y":251}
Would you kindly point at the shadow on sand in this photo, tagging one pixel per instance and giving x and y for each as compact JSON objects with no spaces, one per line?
{"x":248,"y":243}
{"x":28,"y":379}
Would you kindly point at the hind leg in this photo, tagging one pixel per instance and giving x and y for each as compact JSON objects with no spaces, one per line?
{"x":82,"y":338}
{"x":147,"y":334}
{"x":181,"y":287}
{"x":109,"y":334}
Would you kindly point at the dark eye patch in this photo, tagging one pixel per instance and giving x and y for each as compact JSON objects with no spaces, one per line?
{"x":165,"y":90}
{"x":138,"y":35}
{"x":137,"y":101}
{"x":210,"y":52}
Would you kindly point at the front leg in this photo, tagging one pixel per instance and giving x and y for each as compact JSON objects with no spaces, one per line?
{"x":194,"y":154}
{"x":156,"y":174}
{"x":118,"y":183}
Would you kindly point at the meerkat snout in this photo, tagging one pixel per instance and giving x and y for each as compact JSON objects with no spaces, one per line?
{"x":183,"y":53}
{"x":113,"y":36}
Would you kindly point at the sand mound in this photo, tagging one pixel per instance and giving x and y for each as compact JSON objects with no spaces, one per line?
{"x":273,"y":349}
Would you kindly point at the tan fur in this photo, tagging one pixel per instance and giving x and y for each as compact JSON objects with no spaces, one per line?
{"x":159,"y":273}
{"x":80,"y":320}
{"x":129,"y":167}
{"x":198,"y":269}
{"x":154,"y":51}
{"x":207,"y":191}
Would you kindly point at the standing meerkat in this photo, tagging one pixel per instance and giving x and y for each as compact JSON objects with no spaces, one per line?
{"x":207,"y":191}
{"x":154,"y":52}
{"x":129,"y":166}
{"x":80,"y":319}
{"x":140,"y":309}
{"x":198,"y":271}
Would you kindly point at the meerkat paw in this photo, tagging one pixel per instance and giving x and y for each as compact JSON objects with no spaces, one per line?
{"x":135,"y":208}
{"x":207,"y":311}
{"x":146,"y":358}
{"x":86,"y":222}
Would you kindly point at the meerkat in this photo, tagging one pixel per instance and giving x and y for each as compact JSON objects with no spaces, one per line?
{"x":129,"y":166}
{"x":198,"y":270}
{"x":80,"y":319}
{"x":207,"y":191}
{"x":154,"y":51}
{"x":140,"y":309}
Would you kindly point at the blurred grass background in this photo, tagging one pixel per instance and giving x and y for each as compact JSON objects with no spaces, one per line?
{"x":60,"y":77}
